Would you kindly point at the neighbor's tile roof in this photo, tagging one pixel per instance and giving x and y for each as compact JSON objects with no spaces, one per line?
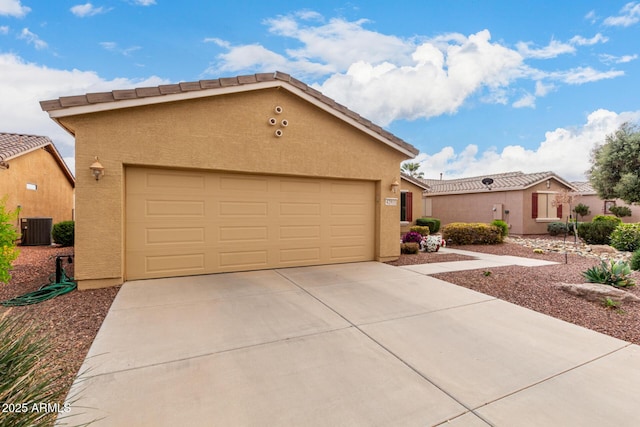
{"x":13,"y":145}
{"x":501,"y":182}
{"x":185,"y":87}
{"x":583,"y":187}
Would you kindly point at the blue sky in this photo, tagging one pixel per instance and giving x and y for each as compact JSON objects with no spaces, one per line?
{"x":479,"y":87}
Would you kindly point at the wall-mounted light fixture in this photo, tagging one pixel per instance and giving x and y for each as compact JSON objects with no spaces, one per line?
{"x":548,"y":183}
{"x":4,"y":165}
{"x":97,"y":170}
{"x":394,"y":186}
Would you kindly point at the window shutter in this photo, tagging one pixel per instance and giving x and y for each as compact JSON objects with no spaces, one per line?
{"x":559,"y":210}
{"x":409,"y":203}
{"x":534,"y":205}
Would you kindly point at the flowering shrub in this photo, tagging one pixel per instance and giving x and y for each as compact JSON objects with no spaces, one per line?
{"x":412,"y":236}
{"x":424,"y":231}
{"x":431,"y":243}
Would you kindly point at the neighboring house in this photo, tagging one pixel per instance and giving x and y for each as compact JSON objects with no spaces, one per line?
{"x":587,"y":195}
{"x":34,"y":177}
{"x":526,"y":201}
{"x":242,"y":173}
{"x":412,"y":201}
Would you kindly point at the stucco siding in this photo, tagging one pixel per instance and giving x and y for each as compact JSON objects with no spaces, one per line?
{"x":220,"y":133}
{"x":53,"y":193}
{"x":596,"y":206}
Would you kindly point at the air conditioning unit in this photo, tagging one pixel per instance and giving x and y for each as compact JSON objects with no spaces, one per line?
{"x":36,"y":231}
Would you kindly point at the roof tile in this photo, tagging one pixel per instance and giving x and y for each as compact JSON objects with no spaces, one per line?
{"x":73,"y":101}
{"x":144,"y":92}
{"x":209,"y":84}
{"x":124,"y":94}
{"x":190,"y":86}
{"x":97,"y":98}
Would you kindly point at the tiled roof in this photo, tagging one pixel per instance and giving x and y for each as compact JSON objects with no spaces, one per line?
{"x":186,"y":88}
{"x":501,"y":182}
{"x":13,"y":145}
{"x":416,"y":181}
{"x":583,"y":187}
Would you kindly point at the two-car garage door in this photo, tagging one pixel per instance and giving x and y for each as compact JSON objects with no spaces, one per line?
{"x":191,"y":222}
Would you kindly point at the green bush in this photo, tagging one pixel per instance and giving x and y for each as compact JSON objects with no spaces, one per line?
{"x":597,"y":232}
{"x":582,"y":210}
{"x":557,"y":228}
{"x":409,"y":248}
{"x":607,"y":218}
{"x":620,"y":211}
{"x":635,"y":260}
{"x":423,"y":230}
{"x":25,"y":378}
{"x":63,"y":233}
{"x":614,"y":273}
{"x":432,"y":223}
{"x":8,"y":237}
{"x":502,"y":225}
{"x":460,"y":233}
{"x":626,"y":237}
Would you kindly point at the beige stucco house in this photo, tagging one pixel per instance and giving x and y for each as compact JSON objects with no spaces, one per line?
{"x":527,"y":202}
{"x":35,"y":178}
{"x":233,"y":174}
{"x":587,"y":195}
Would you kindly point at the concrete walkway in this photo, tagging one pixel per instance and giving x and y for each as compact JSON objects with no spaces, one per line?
{"x":363,"y":344}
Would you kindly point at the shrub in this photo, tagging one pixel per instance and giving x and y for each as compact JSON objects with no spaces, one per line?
{"x":412,"y":236}
{"x":409,"y":248}
{"x":8,"y":237}
{"x":423,"y":230}
{"x":626,"y":237}
{"x":502,"y":225}
{"x":597,"y":233}
{"x":461,"y":233}
{"x":25,"y":379}
{"x":557,"y":228}
{"x":432,"y":243}
{"x":614,"y":273}
{"x":582,"y":210}
{"x":620,"y":211}
{"x":63,"y":233}
{"x":635,"y":260}
{"x":432,"y":223}
{"x":607,"y":218}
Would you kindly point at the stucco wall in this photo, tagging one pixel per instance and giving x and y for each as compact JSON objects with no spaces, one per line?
{"x":539,"y":226}
{"x":54,"y":194}
{"x":224,"y":133}
{"x":596,"y":206}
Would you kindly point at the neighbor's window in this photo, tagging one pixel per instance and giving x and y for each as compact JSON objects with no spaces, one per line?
{"x":543,"y":206}
{"x":33,"y":187}
{"x":406,"y":206}
{"x":608,"y":204}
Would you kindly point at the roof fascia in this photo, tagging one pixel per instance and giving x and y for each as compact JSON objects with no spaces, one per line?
{"x":182,"y":96}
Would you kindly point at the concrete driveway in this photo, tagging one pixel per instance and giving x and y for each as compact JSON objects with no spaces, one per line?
{"x":352,"y":344}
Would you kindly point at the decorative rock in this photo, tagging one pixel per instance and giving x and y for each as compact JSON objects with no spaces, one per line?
{"x":602,"y":252}
{"x":597,"y":292}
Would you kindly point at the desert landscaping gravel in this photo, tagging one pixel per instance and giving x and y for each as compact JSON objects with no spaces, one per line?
{"x":72,"y":321}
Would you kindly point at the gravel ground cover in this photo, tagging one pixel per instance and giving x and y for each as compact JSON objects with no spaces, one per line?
{"x":71,"y":321}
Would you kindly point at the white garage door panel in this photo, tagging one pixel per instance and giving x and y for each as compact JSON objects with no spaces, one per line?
{"x":185,"y":222}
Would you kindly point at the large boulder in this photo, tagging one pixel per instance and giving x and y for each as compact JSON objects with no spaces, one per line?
{"x":598,"y":292}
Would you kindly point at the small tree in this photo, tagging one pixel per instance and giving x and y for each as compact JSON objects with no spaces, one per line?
{"x":581,"y":210}
{"x":8,"y":237}
{"x":412,"y":169}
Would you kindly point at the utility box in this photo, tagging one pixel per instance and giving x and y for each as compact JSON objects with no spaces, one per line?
{"x":36,"y":231}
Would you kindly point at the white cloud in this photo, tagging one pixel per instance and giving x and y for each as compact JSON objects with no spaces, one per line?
{"x":13,"y":8}
{"x":581,"y":41}
{"x":24,"y":85}
{"x":629,"y":15}
{"x":144,"y":2}
{"x":33,"y":39}
{"x":611,"y":59}
{"x":565,"y":151}
{"x":552,"y":50}
{"x":591,"y":17}
{"x":386,"y":78}
{"x":82,"y":10}
{"x":113,"y":47}
{"x":528,"y":100}
{"x":4,"y":29}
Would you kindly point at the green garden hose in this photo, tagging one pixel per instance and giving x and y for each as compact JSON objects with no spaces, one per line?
{"x":48,"y":291}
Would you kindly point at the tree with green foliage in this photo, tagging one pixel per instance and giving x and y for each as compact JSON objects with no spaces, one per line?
{"x":581,"y":210}
{"x":615,"y":165}
{"x":8,"y":237}
{"x":621,"y":211}
{"x":412,"y":169}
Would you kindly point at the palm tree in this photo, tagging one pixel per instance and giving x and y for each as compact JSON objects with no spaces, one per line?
{"x":412,"y":170}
